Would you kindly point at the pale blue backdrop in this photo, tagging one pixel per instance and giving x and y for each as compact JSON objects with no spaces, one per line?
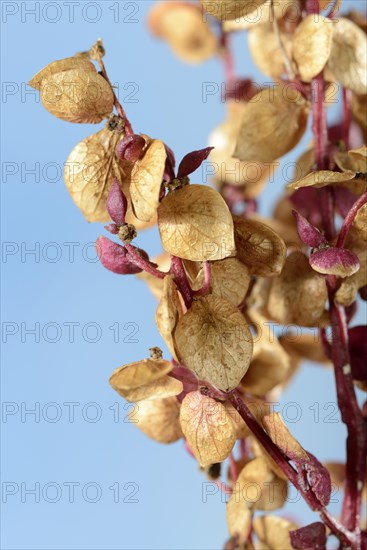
{"x":98,"y":483}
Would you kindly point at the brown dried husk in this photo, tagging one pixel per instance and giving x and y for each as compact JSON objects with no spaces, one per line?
{"x":168,"y":312}
{"x":231,"y":9}
{"x":158,"y":419}
{"x":273,"y":532}
{"x":77,"y":96}
{"x":272,"y":124}
{"x":298,"y":295}
{"x":312,"y":46}
{"x":182,"y":25}
{"x":270,"y":364}
{"x":251,"y":175}
{"x":348,"y":58}
{"x":207,"y":427}
{"x":89,"y":173}
{"x":61,"y":66}
{"x":259,"y":247}
{"x":146,"y":181}
{"x":265,"y":49}
{"x":230,"y":280}
{"x":195,"y":224}
{"x":215,"y":342}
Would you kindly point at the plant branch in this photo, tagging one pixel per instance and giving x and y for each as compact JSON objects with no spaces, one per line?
{"x":179,"y":274}
{"x":145,"y":265}
{"x":349,"y":219}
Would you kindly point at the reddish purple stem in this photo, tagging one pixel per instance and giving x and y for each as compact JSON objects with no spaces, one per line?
{"x":179,"y":274}
{"x":145,"y":265}
{"x":349,"y":219}
{"x":207,"y":280}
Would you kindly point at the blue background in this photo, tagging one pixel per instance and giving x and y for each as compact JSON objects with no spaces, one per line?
{"x":170,"y":512}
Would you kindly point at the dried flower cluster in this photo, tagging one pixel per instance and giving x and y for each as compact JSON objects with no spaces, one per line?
{"x":225,"y":271}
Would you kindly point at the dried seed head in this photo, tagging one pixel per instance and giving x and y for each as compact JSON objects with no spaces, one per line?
{"x":273,"y":531}
{"x":207,"y":428}
{"x":158,"y":419}
{"x":214,"y":341}
{"x":312,"y":46}
{"x":127,"y":233}
{"x":168,"y":313}
{"x":231,"y":9}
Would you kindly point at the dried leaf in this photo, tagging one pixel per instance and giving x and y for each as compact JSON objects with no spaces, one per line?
{"x":270,"y":364}
{"x":348,"y":58}
{"x":90,"y":171}
{"x":77,"y":96}
{"x":192,"y":161}
{"x":312,"y":46}
{"x":281,"y":436}
{"x":264,"y":48}
{"x":158,"y":419}
{"x":183,"y":26}
{"x":215,"y":342}
{"x":259,"y":247}
{"x":168,"y":312}
{"x":322,"y":178}
{"x":311,"y":536}
{"x":231,"y":9}
{"x":195,"y":224}
{"x":298,"y":295}
{"x":335,"y":261}
{"x":359,"y":159}
{"x":207,"y":428}
{"x":272,"y":124}
{"x":230,"y":280}
{"x":273,"y":532}
{"x":61,"y":66}
{"x":140,"y":373}
{"x":146,"y":181}
{"x":309,"y":234}
{"x":259,"y":488}
{"x":159,"y":389}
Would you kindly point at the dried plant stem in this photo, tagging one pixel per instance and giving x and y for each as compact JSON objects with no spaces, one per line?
{"x":228,"y":60}
{"x":207,"y":280}
{"x":145,"y":265}
{"x":347,"y":118}
{"x":345,"y":536}
{"x":286,"y":60}
{"x":119,"y":108}
{"x":349,"y":219}
{"x":179,"y":274}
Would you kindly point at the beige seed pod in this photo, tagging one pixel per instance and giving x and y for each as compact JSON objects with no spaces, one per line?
{"x":231,"y":9}
{"x":195,"y":224}
{"x":146,"y":181}
{"x":312,"y":46}
{"x":168,"y":312}
{"x":348,"y":289}
{"x":182,"y":25}
{"x":265,"y":49}
{"x":299,"y":294}
{"x":359,"y":111}
{"x":239,"y":518}
{"x":348,"y":58}
{"x":215,"y":342}
{"x":207,"y":428}
{"x":303,"y":346}
{"x":273,"y":532}
{"x":90,"y":170}
{"x":158,"y":419}
{"x":358,"y":159}
{"x":259,"y":247}
{"x":270,"y":364}
{"x":60,"y":66}
{"x":281,"y":436}
{"x":251,"y":175}
{"x":159,"y":389}
{"x":259,"y":451}
{"x":322,"y":178}
{"x":134,"y":375}
{"x":77,"y":96}
{"x":272,"y":124}
{"x":287,"y":9}
{"x":230,"y":280}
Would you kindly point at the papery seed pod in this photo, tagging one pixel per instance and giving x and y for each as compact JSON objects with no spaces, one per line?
{"x":272,"y":124}
{"x":168,"y":313}
{"x":289,"y":10}
{"x":358,"y":159}
{"x":348,"y":58}
{"x":335,"y":261}
{"x":62,"y":65}
{"x":207,"y":428}
{"x":322,"y":178}
{"x":214,"y":341}
{"x":195,"y":224}
{"x":116,"y":203}
{"x":312,"y":46}
{"x":258,"y":407}
{"x":259,"y":247}
{"x":311,"y":536}
{"x":131,"y":148}
{"x":264,"y":48}
{"x":158,"y":419}
{"x":90,"y":171}
{"x":182,"y":25}
{"x":77,"y":96}
{"x":273,"y":532}
{"x":299,"y":294}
